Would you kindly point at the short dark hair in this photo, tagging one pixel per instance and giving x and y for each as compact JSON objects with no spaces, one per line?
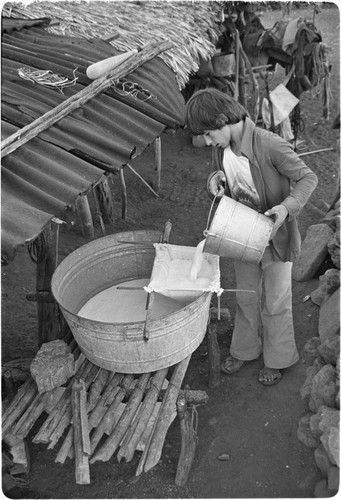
{"x":211,"y":109}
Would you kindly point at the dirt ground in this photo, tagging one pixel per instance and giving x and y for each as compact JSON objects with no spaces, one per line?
{"x":255,"y":425}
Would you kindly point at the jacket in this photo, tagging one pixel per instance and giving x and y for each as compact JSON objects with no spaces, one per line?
{"x":280,"y":177}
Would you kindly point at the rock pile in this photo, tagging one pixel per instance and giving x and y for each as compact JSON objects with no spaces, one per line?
{"x":319,"y":428}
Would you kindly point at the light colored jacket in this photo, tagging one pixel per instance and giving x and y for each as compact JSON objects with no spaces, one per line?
{"x":280,"y":177}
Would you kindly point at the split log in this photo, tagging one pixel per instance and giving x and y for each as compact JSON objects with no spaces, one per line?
{"x":80,"y":432}
{"x":52,"y":420}
{"x":45,"y":121}
{"x":10,"y":388}
{"x":26,"y":393}
{"x":66,"y":447}
{"x":166,"y":414}
{"x":189,"y":440}
{"x":31,"y":415}
{"x":140,"y":423}
{"x":96,"y":388}
{"x":108,"y":417}
{"x":213,"y":356}
{"x":105,"y":400}
{"x":118,"y":431}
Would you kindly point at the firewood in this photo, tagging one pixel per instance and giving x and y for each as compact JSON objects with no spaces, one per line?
{"x":105,"y":400}
{"x":52,"y":420}
{"x":109,"y":416}
{"x":19,"y":404}
{"x":66,"y":447}
{"x":97,"y":387}
{"x":166,"y":414}
{"x":140,"y":423}
{"x":81,"y":444}
{"x":45,"y":121}
{"x":28,"y":419}
{"x":188,"y":441}
{"x":118,"y":432}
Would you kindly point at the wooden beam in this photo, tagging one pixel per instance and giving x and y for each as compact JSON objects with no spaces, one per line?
{"x":42,"y":123}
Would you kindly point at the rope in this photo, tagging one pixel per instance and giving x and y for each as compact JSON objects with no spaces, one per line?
{"x":47,"y":78}
{"x":126,"y":87}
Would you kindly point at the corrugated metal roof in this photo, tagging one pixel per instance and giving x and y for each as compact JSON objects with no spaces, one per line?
{"x":44,"y":175}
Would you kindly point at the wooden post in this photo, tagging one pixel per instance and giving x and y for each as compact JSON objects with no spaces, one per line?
{"x":43,"y":251}
{"x":80,"y":433}
{"x":85,"y":217}
{"x":105,"y":200}
{"x":157,"y":154}
{"x":188,"y":441}
{"x":213,"y":356}
{"x":124,"y":195}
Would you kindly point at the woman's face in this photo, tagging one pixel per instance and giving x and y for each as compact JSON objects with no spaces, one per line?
{"x":218,"y":137}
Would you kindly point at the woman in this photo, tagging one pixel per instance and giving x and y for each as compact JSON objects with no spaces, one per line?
{"x":261,"y":170}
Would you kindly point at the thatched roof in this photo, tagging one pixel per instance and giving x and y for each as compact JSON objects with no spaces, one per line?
{"x":193,"y":26}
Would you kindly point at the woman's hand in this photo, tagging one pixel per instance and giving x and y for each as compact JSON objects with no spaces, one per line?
{"x":278,"y":214}
{"x":216,"y":184}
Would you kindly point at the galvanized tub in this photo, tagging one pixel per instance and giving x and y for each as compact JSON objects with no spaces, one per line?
{"x":121,"y":347}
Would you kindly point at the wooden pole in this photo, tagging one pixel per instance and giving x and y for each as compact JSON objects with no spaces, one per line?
{"x":188,"y":441}
{"x":213,"y":356}
{"x":165,"y":416}
{"x":157,"y":154}
{"x":142,"y":179}
{"x":42,"y":123}
{"x":85,"y":217}
{"x":105,"y":200}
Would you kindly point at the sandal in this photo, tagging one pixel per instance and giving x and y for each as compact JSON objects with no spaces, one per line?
{"x":231,"y":365}
{"x":273,"y":373}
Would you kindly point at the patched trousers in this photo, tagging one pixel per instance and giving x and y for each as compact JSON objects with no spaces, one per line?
{"x":263,"y":321}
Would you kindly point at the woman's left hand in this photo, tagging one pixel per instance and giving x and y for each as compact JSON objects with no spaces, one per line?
{"x":278,"y":214}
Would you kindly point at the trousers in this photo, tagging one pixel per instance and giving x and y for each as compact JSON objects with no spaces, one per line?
{"x":263,"y":320}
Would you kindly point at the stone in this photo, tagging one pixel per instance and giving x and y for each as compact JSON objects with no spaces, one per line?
{"x":334,"y":248}
{"x":330,"y":349}
{"x":314,"y":423}
{"x":321,"y":489}
{"x":320,"y":293}
{"x":332,"y":218}
{"x":331,"y":442}
{"x":53,"y":365}
{"x":311,"y":346}
{"x":329,"y":317}
{"x":333,"y":280}
{"x":313,"y":252}
{"x":329,"y":417}
{"x":334,"y":478}
{"x":310,"y":374}
{"x":322,"y":460}
{"x":323,"y":388}
{"x":304,"y":433}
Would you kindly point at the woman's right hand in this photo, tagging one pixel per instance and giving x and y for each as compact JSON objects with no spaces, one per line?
{"x":216,"y":183}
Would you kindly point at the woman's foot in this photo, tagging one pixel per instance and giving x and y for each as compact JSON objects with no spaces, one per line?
{"x":231,"y":365}
{"x":269,"y":376}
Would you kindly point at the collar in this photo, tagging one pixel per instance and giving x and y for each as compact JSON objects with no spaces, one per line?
{"x":246,"y":144}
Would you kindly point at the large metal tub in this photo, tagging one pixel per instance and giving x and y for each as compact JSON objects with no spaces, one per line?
{"x":121,"y":347}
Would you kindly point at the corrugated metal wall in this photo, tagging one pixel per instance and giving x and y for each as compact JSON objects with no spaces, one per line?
{"x":43,"y":176}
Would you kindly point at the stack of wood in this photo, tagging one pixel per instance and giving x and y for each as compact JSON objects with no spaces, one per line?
{"x":99,"y":412}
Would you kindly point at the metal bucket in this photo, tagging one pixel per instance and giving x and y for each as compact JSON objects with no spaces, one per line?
{"x":238,"y":232}
{"x":121,"y":347}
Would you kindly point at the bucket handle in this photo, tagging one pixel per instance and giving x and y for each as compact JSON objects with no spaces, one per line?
{"x":205,"y":232}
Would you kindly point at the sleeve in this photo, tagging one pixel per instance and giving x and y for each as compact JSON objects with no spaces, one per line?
{"x":290,"y":165}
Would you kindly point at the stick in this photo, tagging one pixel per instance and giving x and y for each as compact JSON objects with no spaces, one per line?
{"x":213,"y":356}
{"x":317,"y":151}
{"x":166,"y":232}
{"x":150,"y":303}
{"x":65,"y":108}
{"x":165,"y":415}
{"x":132,"y":438}
{"x":142,"y":179}
{"x":82,"y":471}
{"x":124,"y":194}
{"x":157,"y":153}
{"x":111,"y":444}
{"x":188,"y":442}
